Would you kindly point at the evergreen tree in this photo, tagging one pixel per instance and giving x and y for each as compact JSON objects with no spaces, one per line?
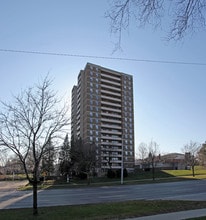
{"x":64,"y":157}
{"x":83,"y":157}
{"x":48,"y":159}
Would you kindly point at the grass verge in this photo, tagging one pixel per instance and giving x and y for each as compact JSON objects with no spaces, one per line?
{"x":140,"y":177}
{"x":117,"y":210}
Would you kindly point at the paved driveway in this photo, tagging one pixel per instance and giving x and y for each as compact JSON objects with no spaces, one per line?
{"x":11,"y":185}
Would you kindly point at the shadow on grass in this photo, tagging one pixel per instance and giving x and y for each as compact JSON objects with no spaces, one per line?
{"x":140,"y":177}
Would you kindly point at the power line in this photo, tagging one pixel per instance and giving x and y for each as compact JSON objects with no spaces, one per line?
{"x":102,"y":57}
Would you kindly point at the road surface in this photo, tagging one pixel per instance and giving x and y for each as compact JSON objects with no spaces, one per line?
{"x":185,"y":190}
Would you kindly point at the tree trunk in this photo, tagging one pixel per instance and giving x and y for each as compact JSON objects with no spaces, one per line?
{"x":35,"y":184}
{"x":35,"y":208}
{"x":193,"y":170}
{"x":153,"y":169}
{"x":88,"y":179}
{"x":153,"y":172}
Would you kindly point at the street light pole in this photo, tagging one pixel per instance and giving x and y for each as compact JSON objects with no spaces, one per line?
{"x":122,"y":172}
{"x":122,"y":166}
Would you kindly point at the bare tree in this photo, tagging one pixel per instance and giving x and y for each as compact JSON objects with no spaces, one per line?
{"x":3,"y":160}
{"x":185,"y":16}
{"x":153,"y":149}
{"x":3,"y":157}
{"x":191,"y":149}
{"x":143,"y":152}
{"x":28,"y":124}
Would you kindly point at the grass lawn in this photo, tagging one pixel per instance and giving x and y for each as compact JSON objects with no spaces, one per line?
{"x":198,"y":218}
{"x":140,"y":177}
{"x":118,"y":210}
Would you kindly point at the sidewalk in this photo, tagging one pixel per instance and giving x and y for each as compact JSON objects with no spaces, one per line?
{"x":174,"y":215}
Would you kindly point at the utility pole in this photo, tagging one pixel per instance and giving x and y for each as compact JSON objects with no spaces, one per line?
{"x":122,"y":166}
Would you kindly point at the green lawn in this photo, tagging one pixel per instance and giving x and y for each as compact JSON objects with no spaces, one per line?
{"x":118,"y":210}
{"x":198,"y":218}
{"x":140,"y":177}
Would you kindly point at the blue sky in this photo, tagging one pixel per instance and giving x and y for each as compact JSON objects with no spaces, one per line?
{"x":169,"y":99}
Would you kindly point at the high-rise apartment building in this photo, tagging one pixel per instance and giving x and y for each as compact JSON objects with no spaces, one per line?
{"x":103,"y":114}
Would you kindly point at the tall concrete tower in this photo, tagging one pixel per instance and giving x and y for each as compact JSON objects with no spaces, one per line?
{"x":103,"y":114}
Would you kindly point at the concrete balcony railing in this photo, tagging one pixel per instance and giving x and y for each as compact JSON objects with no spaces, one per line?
{"x":106,"y":91}
{"x":110,"y":87}
{"x":109,"y":114}
{"x":109,"y":131}
{"x":106,"y":125}
{"x":111,"y":77}
{"x":110,"y":103}
{"x":111,"y":98}
{"x":106,"y":137}
{"x":113,"y":144}
{"x":111,"y":109}
{"x":110,"y":82}
{"x":111,"y":120}
{"x":113,"y":167}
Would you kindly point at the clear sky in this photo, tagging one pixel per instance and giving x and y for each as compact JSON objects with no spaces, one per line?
{"x":170,"y":100}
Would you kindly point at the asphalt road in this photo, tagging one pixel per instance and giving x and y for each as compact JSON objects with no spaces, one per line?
{"x":187,"y":190}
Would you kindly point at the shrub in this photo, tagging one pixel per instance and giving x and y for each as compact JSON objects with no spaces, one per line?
{"x":110,"y":173}
{"x":125,"y":173}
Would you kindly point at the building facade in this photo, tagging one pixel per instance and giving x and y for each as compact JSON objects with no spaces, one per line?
{"x":103,"y":114}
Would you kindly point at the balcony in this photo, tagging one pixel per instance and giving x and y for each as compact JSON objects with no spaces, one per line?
{"x":111,"y":154}
{"x":110,"y":93}
{"x":110,"y":104}
{"x":107,"y":137}
{"x":111,"y":77}
{"x":107,"y":108}
{"x":112,"y":149}
{"x":113,"y":167}
{"x":111,"y":98}
{"x":111,"y":87}
{"x":111,"y":120}
{"x":109,"y":131}
{"x":106,"y":142}
{"x":112,"y":126}
{"x":111,"y":114}
{"x":110,"y":82}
